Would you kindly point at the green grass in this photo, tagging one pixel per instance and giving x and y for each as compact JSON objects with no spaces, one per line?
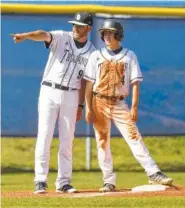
{"x":18,"y":173}
{"x":157,"y":202}
{"x":167,"y":152}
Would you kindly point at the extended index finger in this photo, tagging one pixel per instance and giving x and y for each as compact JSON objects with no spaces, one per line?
{"x":13,"y":35}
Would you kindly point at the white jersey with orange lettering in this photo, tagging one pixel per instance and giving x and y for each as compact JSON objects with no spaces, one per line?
{"x":112,"y":75}
{"x":120,"y":70}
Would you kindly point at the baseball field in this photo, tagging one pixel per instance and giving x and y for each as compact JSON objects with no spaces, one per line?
{"x":18,"y":173}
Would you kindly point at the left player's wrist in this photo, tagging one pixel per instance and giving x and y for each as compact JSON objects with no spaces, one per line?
{"x":81,"y":106}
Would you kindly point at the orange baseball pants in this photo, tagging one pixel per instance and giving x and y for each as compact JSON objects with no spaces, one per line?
{"x":106,"y":111}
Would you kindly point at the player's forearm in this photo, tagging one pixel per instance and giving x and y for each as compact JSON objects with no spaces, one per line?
{"x":89,"y":95}
{"x":82,"y":92}
{"x":38,"y":35}
{"x":135,"y":95}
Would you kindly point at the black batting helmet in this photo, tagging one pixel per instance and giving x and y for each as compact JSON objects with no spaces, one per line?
{"x":112,"y":25}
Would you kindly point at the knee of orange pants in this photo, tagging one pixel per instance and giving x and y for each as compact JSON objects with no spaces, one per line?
{"x":103,"y":139}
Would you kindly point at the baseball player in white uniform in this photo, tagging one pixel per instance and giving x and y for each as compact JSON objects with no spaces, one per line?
{"x":110,"y":73}
{"x":61,"y":97}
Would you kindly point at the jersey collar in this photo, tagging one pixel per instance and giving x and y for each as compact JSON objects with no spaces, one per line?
{"x":80,"y":50}
{"x":114,"y":57}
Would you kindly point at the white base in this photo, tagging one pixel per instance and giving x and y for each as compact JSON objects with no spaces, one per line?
{"x":149,"y":188}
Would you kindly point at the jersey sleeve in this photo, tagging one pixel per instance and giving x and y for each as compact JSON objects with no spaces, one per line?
{"x":90,"y":70}
{"x":56,"y":36}
{"x":135,"y":72}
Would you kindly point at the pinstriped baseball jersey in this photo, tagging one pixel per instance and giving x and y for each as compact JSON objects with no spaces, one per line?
{"x":66,"y":62}
{"x":112,"y":74}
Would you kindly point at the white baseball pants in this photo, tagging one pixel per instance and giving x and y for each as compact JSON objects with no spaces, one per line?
{"x":62,"y":105}
{"x":104,"y":112}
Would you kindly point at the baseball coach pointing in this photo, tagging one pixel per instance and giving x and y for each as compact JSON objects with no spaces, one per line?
{"x":61,"y":96}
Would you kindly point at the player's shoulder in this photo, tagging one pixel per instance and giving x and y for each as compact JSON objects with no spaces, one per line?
{"x":61,"y":32}
{"x":57,"y":32}
{"x":69,"y":34}
{"x":131,"y":54}
{"x":95,"y":53}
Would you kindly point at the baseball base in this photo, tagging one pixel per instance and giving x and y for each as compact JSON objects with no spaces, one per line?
{"x":149,"y":188}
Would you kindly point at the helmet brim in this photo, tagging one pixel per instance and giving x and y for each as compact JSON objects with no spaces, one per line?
{"x":108,"y":29}
{"x":77,"y":23}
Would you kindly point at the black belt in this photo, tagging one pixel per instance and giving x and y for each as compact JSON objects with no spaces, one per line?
{"x":57,"y":86}
{"x":111,"y":98}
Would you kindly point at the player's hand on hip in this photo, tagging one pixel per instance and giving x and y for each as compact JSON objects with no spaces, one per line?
{"x":18,"y":38}
{"x":134,"y":114}
{"x":89,"y":116}
{"x":79,"y":114}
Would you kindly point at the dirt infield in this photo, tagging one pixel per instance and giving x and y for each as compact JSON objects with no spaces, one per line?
{"x":171,"y":191}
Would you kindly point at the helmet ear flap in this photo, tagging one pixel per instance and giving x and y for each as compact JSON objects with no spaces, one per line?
{"x":118,"y":36}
